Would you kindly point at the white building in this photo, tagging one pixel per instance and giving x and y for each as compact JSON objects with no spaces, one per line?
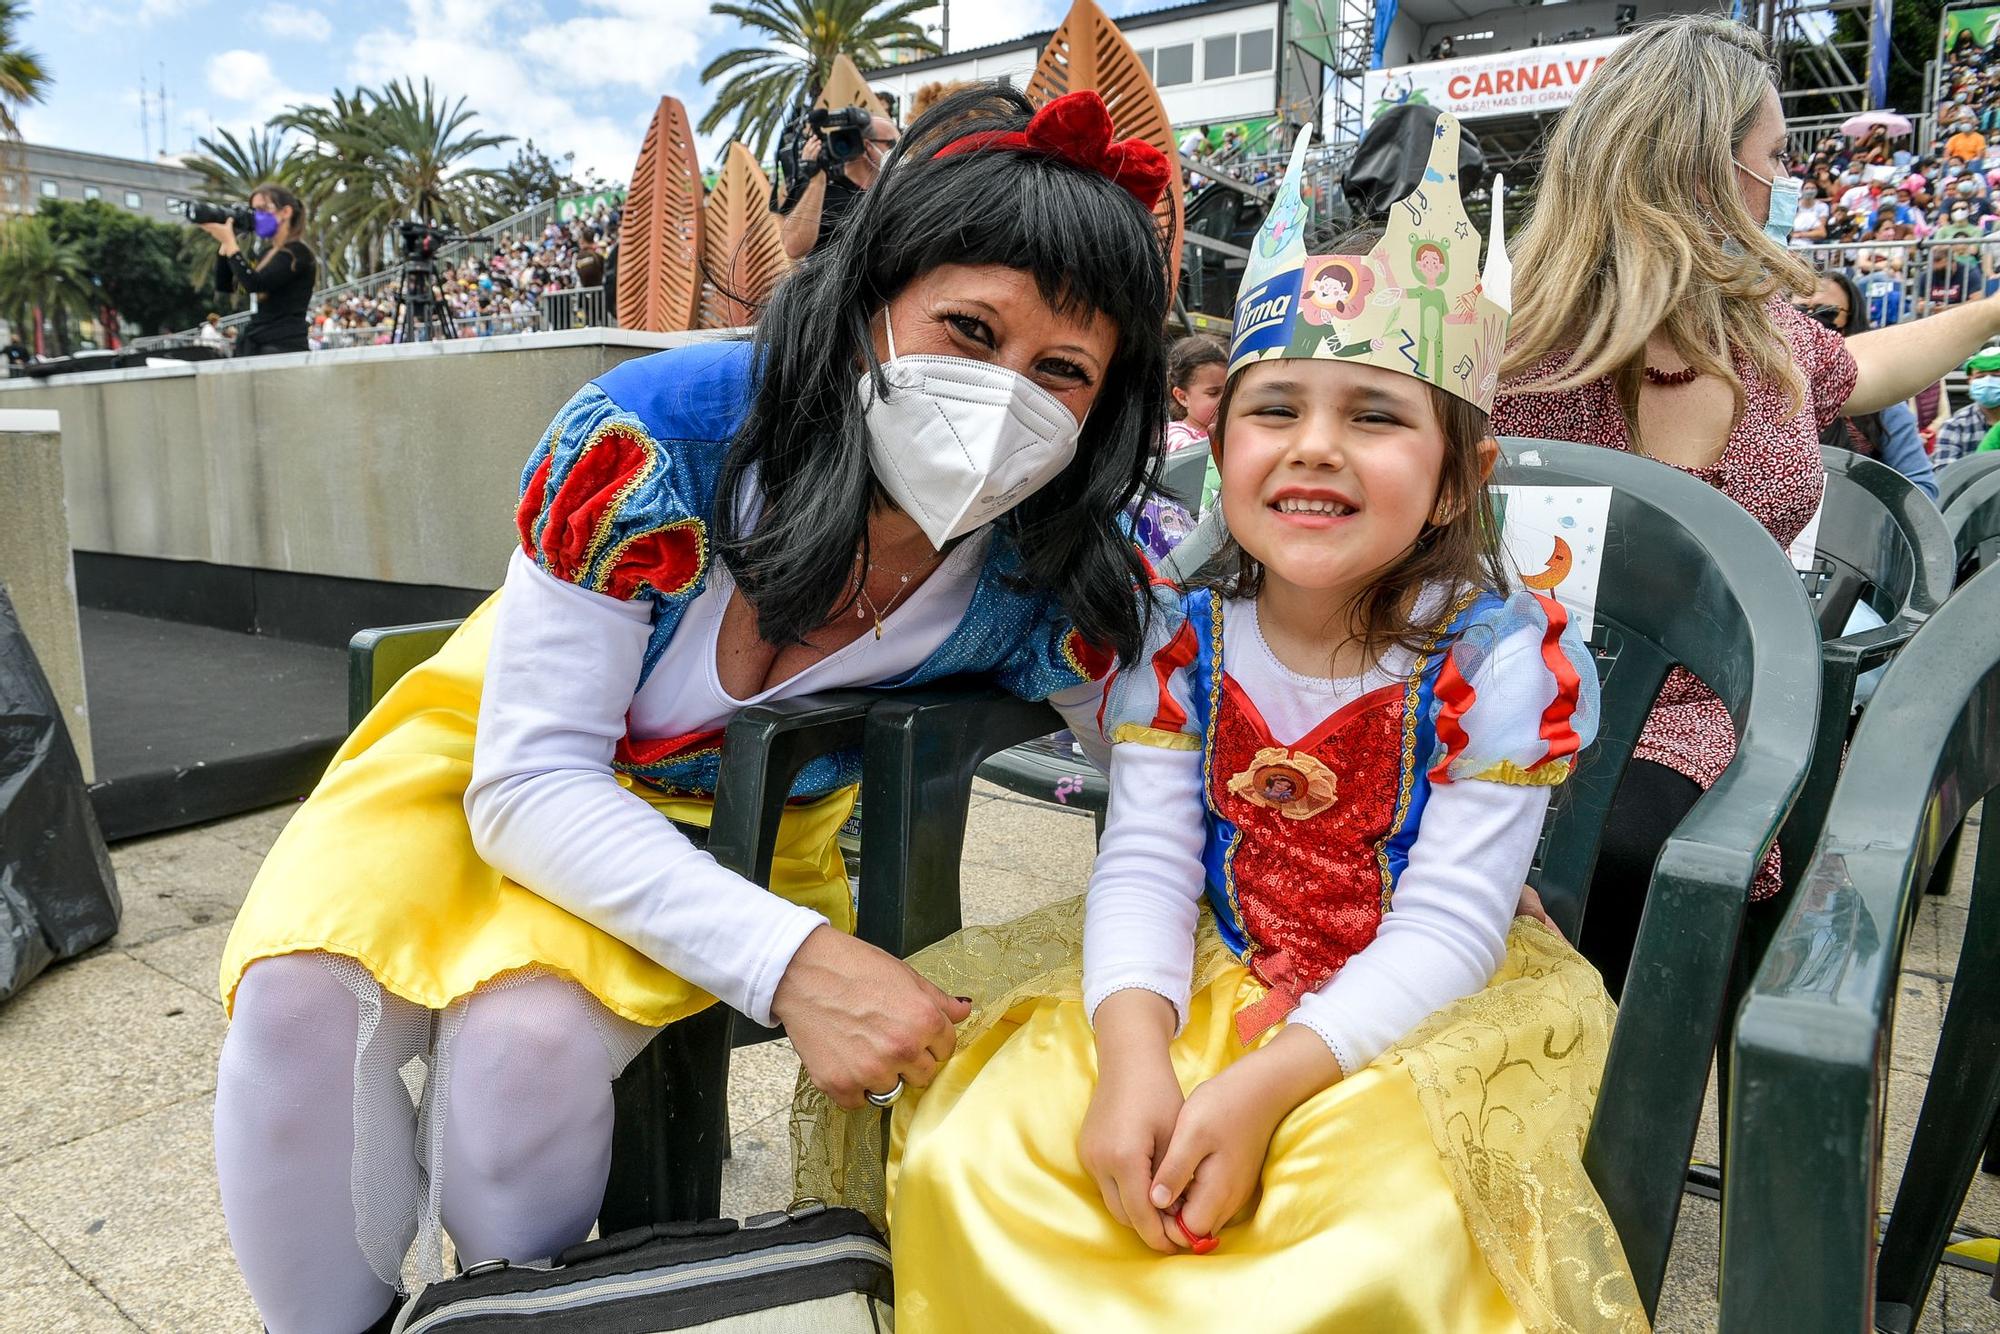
{"x":1215,"y":62}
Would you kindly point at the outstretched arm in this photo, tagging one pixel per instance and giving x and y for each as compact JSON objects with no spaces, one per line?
{"x":1899,"y":360}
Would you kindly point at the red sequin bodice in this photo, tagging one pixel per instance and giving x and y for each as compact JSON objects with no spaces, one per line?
{"x":1308,"y":892}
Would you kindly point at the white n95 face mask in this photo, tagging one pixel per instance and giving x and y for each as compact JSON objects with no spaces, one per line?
{"x":957,"y":443}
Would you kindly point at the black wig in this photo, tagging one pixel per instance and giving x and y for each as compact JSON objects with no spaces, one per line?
{"x":1090,"y":247}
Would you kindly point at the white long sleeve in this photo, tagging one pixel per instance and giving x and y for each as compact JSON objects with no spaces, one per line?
{"x":546,"y":810}
{"x":1146,"y":885}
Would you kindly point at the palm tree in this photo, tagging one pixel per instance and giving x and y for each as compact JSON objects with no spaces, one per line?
{"x":22,"y":80}
{"x":230,"y":169}
{"x":802,"y":38}
{"x":381,"y":155}
{"x":42,"y":277}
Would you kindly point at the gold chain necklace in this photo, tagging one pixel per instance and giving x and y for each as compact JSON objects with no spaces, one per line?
{"x":868,"y":607}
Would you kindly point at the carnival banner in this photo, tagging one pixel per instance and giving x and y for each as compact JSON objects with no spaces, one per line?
{"x":1983,"y":23}
{"x":572,"y":207}
{"x":1543,"y":78}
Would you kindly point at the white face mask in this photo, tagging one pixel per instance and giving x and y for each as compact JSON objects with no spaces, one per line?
{"x":957,"y":443}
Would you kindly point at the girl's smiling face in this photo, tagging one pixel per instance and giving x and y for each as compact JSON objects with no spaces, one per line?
{"x":1330,"y":471}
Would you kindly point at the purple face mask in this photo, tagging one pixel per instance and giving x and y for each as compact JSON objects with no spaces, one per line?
{"x":266,"y":223}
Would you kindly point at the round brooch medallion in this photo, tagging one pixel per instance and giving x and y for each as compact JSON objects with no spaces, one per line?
{"x":1298,"y":787}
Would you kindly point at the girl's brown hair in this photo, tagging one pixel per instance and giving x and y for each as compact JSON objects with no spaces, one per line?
{"x":1187,"y":356}
{"x":1462,"y":552}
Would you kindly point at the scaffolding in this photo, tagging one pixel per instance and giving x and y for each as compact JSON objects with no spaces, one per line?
{"x":1822,"y":63}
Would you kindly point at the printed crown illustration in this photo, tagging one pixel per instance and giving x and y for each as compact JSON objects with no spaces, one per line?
{"x":1417,"y":303}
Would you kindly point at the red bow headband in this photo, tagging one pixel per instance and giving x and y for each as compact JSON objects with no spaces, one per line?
{"x":1077,"y":129}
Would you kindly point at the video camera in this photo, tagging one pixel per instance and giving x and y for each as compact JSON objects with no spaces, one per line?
{"x":199,"y":211}
{"x":422,"y":239}
{"x":843,"y":136}
{"x":842,"y":132}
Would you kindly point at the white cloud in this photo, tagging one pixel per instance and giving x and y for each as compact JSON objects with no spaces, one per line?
{"x":307,"y":25}
{"x":240,"y":76}
{"x":983,"y":25}
{"x":245,"y":80}
{"x":529,"y":77}
{"x":646,"y":44}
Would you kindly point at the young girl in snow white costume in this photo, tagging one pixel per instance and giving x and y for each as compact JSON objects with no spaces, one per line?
{"x":1303,"y":1070}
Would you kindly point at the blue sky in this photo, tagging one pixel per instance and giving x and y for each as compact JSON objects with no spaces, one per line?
{"x":578,"y":76}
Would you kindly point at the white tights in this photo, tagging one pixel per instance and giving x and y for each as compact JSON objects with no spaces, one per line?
{"x":329,"y":1172}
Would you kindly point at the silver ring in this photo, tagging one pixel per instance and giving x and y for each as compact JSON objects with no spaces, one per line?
{"x":885,"y":1099}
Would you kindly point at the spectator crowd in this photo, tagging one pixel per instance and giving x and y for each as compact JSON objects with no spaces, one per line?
{"x":1875,"y":195}
{"x":1903,"y":225}
{"x":494,"y":292}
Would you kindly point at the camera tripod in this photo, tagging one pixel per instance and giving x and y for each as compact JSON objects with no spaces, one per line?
{"x":422,"y":313}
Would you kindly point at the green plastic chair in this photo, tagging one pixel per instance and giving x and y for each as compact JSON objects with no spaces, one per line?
{"x":1690,"y":579}
{"x":1799,"y":1240}
{"x":1973,"y":519}
{"x":1181,"y":474}
{"x":1881,"y":541}
{"x":1045,"y":767}
{"x":1961,"y":472}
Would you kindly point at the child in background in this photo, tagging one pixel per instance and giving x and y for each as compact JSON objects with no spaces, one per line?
{"x":1194,"y":383}
{"x":1195,"y":372}
{"x":1301,"y":1027}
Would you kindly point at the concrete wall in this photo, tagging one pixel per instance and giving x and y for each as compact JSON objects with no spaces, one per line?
{"x":399,"y":464}
{"x":34,"y":560}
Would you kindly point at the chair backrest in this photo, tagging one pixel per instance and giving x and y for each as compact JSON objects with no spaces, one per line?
{"x":1880,"y":541}
{"x":1811,"y":1045}
{"x":1962,"y":472}
{"x":1182,"y":473}
{"x":1973,"y":520}
{"x":1687,"y":578}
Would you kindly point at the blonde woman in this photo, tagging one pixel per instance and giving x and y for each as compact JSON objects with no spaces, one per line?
{"x":1652,"y":313}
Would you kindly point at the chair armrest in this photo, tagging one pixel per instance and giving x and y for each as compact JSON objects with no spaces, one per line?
{"x":1873,"y":647}
{"x":378,"y":658}
{"x":1657,"y":1070}
{"x":923,"y":747}
{"x":763,"y":750}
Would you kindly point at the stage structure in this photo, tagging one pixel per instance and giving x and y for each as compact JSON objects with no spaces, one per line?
{"x":660,"y":239}
{"x":1088,"y":51}
{"x":742,"y":255}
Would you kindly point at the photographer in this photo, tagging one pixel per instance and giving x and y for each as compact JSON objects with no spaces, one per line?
{"x":281,"y":283}
{"x":835,"y":164}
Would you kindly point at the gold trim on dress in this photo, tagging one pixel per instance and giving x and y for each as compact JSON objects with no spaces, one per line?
{"x":1547,"y":774}
{"x":1140,"y":734}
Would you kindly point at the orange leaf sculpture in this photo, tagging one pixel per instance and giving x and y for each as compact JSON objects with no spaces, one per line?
{"x":742,"y":256}
{"x":1088,"y":51}
{"x":660,"y":242}
{"x":845,"y":87}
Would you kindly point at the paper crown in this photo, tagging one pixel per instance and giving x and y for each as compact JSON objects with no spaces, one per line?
{"x":1416,"y":304}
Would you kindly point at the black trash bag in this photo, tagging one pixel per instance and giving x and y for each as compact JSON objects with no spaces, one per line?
{"x":57,"y":894}
{"x":1390,"y":160}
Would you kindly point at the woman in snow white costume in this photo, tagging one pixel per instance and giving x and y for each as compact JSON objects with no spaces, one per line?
{"x":1290,"y":1063}
{"x":915,"y":470}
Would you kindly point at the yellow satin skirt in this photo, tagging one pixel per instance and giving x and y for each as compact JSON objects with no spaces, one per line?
{"x":1438,"y":1191}
{"x":378,"y":864}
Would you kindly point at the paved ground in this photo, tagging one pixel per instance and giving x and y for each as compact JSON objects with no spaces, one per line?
{"x":109,"y":1218}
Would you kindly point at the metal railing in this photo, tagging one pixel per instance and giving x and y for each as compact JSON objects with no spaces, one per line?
{"x":1907,"y":280}
{"x":572,"y":308}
